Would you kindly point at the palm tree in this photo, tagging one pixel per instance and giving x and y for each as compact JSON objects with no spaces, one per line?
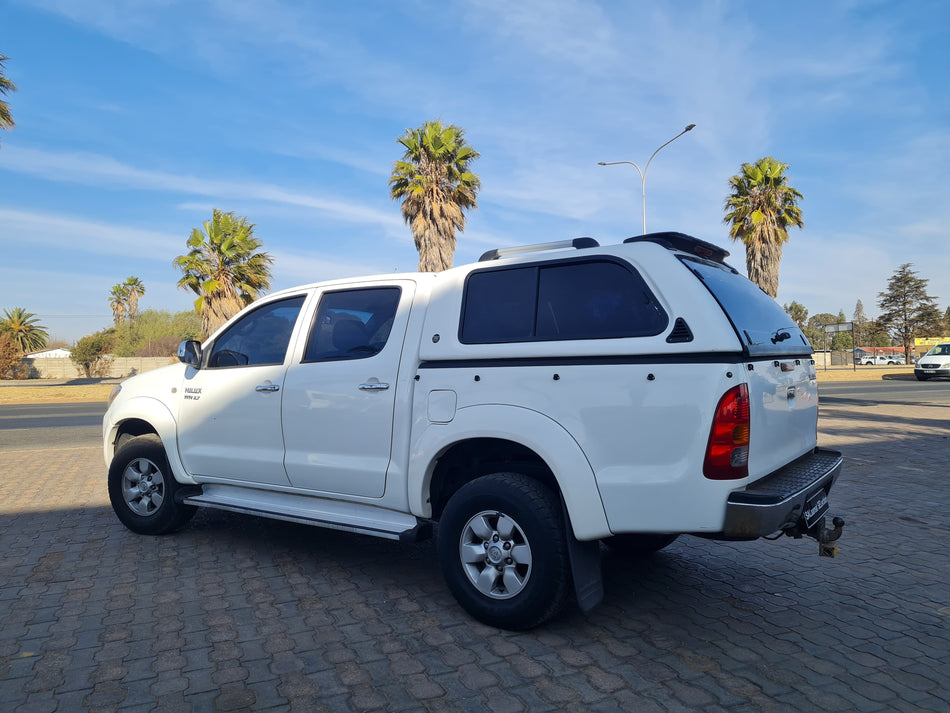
{"x":135,"y":288}
{"x":23,"y":327}
{"x":6,"y":86}
{"x":436,"y":187}
{"x":759,"y":211}
{"x":118,"y":301}
{"x":224,"y":267}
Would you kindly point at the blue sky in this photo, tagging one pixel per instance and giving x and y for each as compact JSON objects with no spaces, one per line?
{"x":136,"y":117}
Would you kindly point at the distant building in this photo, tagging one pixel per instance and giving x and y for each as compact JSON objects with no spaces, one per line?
{"x":58,"y":353}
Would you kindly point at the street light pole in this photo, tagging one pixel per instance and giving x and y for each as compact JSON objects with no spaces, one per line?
{"x":643,"y":173}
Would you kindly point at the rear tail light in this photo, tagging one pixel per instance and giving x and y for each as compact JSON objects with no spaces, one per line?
{"x":727,"y":454}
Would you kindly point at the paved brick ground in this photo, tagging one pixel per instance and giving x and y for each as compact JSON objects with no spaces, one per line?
{"x":240,"y":614}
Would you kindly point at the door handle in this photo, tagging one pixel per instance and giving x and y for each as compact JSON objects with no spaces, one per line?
{"x":374,"y":386}
{"x":267,"y":387}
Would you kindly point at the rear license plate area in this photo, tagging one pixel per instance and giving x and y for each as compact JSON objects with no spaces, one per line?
{"x":816,"y":505}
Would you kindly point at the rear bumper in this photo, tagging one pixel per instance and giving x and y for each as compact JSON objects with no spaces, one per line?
{"x":777,"y":501}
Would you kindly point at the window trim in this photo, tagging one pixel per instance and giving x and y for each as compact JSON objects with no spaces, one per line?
{"x":537,"y":267}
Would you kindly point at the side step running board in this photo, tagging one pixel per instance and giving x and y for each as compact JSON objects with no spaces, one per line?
{"x":320,"y":512}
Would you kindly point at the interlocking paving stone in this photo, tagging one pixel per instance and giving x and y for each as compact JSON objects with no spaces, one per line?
{"x":238,"y":613}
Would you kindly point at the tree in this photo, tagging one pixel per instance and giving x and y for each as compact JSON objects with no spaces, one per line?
{"x":436,"y":186}
{"x":877,"y":335}
{"x":156,"y":333}
{"x":225,"y":267}
{"x":797,"y":312}
{"x":815,"y":329}
{"x":118,"y":301}
{"x":759,"y":211}
{"x":11,"y":358}
{"x":134,"y":288}
{"x":25,"y":329}
{"x":859,"y":322}
{"x":6,"y":86}
{"x":907,"y":311}
{"x":90,"y":354}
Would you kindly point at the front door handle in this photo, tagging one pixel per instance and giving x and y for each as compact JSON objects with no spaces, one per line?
{"x":267,"y":387}
{"x":374,"y":386}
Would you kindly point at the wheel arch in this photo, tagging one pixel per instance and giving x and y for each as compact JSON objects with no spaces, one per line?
{"x":493,"y":438}
{"x":142,"y":415}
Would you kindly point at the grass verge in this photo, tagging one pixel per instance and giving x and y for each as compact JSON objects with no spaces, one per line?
{"x":55,"y":394}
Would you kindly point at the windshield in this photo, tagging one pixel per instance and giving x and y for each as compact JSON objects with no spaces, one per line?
{"x":939,"y":350}
{"x":764,"y":328}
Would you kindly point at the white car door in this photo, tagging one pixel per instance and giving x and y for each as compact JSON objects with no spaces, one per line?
{"x":339,"y":401}
{"x":229,"y":414}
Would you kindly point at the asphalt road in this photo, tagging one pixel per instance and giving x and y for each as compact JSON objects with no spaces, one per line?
{"x":41,"y":426}
{"x":905,"y":392}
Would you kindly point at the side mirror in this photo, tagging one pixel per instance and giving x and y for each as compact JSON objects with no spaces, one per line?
{"x":189,"y":352}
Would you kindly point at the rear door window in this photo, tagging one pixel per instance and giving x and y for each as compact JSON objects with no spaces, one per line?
{"x":352,"y":324}
{"x":592,"y":299}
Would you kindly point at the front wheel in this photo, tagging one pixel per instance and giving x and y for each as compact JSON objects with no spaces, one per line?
{"x":922,"y":377}
{"x":503,"y":550}
{"x":142,"y":488}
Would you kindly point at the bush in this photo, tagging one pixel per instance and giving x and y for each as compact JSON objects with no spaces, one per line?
{"x":164,"y":347}
{"x":89,"y":354}
{"x":155,"y":333}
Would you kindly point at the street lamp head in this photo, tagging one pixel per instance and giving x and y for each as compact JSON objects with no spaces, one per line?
{"x":690,"y":127}
{"x":601,"y":163}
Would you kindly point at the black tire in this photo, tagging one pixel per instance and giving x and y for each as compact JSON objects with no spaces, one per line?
{"x":142,"y":488}
{"x":639,"y":545}
{"x":523,"y":577}
{"x":922,"y":377}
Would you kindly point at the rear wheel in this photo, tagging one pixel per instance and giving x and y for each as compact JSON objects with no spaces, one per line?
{"x":503,"y":550}
{"x":142,"y":488}
{"x":639,"y":545}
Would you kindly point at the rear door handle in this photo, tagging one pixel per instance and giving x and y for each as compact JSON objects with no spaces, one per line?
{"x":267,"y":387}
{"x":374,"y":386}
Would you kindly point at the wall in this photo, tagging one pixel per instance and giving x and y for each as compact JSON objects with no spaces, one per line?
{"x":121,"y":366}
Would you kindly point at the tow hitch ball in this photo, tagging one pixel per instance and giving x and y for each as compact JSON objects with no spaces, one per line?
{"x":825,"y":537}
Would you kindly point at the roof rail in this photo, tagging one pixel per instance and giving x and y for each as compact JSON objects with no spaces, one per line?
{"x":576,"y":243}
{"x":683,"y":242}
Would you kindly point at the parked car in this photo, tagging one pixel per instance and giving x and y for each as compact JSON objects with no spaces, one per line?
{"x":934,"y":363}
{"x":882,"y":360}
{"x":533,"y":404}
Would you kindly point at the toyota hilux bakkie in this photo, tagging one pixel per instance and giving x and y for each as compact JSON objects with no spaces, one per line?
{"x":525,"y":408}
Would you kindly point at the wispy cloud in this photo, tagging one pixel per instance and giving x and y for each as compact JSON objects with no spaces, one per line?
{"x":97,"y":170}
{"x":86,"y":236}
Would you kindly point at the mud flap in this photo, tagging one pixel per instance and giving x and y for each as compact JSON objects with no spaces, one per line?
{"x":585,"y":567}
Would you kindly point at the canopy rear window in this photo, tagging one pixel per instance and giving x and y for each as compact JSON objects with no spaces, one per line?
{"x":764,"y":328}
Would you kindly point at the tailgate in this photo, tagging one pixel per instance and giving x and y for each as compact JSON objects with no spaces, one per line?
{"x":783,"y":399}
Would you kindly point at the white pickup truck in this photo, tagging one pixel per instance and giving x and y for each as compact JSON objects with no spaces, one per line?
{"x":882,"y":360}
{"x":529,"y":406}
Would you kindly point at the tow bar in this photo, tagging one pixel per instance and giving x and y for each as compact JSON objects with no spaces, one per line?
{"x":820,"y":532}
